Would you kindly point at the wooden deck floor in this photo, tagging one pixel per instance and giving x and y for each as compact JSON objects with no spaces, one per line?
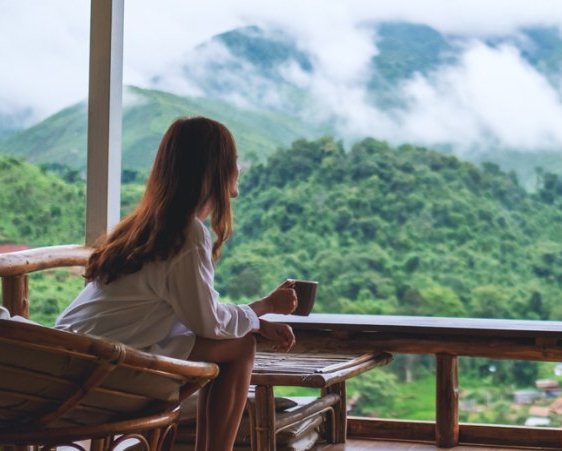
{"x":370,"y":445}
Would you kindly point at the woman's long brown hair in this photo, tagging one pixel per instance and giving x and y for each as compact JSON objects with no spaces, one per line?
{"x":195,"y":166}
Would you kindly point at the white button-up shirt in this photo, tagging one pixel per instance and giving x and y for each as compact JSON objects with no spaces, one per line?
{"x":164,"y":306}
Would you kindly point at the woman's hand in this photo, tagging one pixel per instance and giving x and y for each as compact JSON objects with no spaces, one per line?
{"x":280,"y":334}
{"x":281,"y":300}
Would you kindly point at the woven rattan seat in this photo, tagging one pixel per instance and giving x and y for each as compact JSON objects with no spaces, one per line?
{"x":60,"y":387}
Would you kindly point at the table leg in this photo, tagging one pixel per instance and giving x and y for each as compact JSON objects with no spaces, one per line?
{"x":339,"y":433}
{"x":265,"y":418}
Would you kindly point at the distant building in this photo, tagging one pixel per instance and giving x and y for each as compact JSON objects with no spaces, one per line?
{"x":537,"y":421}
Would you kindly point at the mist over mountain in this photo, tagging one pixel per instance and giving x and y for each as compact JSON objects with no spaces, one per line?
{"x":409,"y":83}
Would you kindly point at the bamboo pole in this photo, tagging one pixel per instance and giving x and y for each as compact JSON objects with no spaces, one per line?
{"x":339,"y":434}
{"x":15,"y":295}
{"x":265,"y":418}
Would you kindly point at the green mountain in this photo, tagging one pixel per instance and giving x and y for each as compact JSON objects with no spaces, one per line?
{"x":147,"y":113}
{"x":407,"y":48}
{"x":264,"y":49}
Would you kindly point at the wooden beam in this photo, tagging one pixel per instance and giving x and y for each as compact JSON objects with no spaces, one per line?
{"x":447,"y":401}
{"x":469,"y":434}
{"x":495,"y":347}
{"x":496,"y":435}
{"x":104,"y":117}
{"x":383,"y":429}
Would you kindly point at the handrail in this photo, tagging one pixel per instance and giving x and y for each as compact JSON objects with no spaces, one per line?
{"x":30,"y":260}
{"x":14,"y":267}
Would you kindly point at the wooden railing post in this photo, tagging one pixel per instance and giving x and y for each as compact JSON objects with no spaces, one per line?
{"x":15,"y":294}
{"x":447,"y":401}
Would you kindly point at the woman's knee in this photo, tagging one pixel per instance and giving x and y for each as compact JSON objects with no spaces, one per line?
{"x":249,"y":344}
{"x":245,"y":349}
{"x":224,"y":351}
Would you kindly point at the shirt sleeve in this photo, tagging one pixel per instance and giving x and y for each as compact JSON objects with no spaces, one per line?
{"x":196,"y":303}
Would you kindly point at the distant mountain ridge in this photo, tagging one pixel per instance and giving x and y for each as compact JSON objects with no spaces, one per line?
{"x":61,"y":138}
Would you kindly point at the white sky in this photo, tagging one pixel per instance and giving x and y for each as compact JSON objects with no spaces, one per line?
{"x":491,"y":93}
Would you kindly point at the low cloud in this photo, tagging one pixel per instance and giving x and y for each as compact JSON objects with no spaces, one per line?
{"x":493,"y":96}
{"x":489,"y":96}
{"x":44,"y":49}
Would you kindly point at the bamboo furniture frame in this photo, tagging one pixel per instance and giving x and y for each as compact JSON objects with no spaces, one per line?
{"x":325,"y":370}
{"x":59,"y":387}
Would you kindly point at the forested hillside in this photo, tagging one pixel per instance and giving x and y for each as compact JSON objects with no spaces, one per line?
{"x":405,"y":231}
{"x":384,"y":230}
{"x":38,"y":206}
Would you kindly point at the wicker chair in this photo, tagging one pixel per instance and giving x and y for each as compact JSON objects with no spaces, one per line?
{"x":59,"y":388}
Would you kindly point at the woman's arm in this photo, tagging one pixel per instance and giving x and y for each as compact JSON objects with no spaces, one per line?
{"x":281,"y":335}
{"x":281,"y":300}
{"x":192,"y":296}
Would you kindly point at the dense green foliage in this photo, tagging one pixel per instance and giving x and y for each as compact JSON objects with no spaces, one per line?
{"x":38,"y":207}
{"x":404,"y":231}
{"x":384,"y":230}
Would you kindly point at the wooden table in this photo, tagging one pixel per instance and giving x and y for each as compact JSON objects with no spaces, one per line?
{"x":321,"y":369}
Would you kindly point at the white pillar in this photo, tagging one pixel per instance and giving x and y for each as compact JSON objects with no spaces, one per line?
{"x":104,"y":117}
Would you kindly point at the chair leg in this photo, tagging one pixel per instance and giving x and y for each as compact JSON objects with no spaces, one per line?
{"x":265,"y":418}
{"x":153,"y":438}
{"x":99,"y":444}
{"x":168,"y":437}
{"x":339,"y":433}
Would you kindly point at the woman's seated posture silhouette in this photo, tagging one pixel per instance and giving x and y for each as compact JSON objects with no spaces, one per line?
{"x":150,"y":281}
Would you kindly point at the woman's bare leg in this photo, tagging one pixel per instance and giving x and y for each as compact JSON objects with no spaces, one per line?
{"x":201,"y":426}
{"x":221,"y":402}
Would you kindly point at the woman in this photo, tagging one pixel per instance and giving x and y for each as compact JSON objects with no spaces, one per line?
{"x":150,"y":282}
